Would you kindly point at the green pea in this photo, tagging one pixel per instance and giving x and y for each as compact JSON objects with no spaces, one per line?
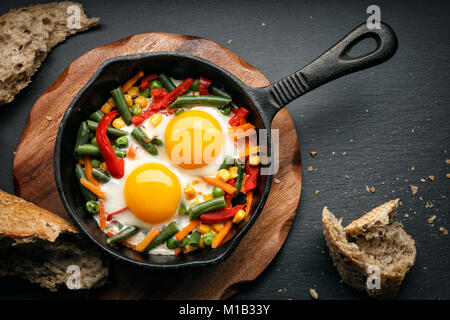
{"x":146,"y":93}
{"x":96,"y":163}
{"x":218,"y":192}
{"x":94,"y":141}
{"x":92,"y":206}
{"x":156,"y":84}
{"x":208,"y":238}
{"x":136,"y":110}
{"x":121,"y":142}
{"x":172,"y":243}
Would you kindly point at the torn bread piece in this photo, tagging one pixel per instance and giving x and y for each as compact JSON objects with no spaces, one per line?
{"x":43,"y":248}
{"x":28,"y":34}
{"x":373,"y":244}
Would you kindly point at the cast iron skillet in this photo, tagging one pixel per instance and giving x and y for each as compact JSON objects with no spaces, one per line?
{"x":262,"y":102}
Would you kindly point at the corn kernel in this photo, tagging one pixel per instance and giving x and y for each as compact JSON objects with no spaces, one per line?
{"x":196,"y":93}
{"x":129,"y":100}
{"x":233,"y":172}
{"x":189,"y":248}
{"x":104,"y":166}
{"x":106,"y":108}
{"x":223,"y":174}
{"x":194,"y":201}
{"x":208,"y":196}
{"x":189,"y":192}
{"x":239,"y":216}
{"x":203,"y":228}
{"x":217,"y":226}
{"x":118,"y":123}
{"x":253,"y":160}
{"x":201,"y":244}
{"x":133,"y":92}
{"x":156,"y":119}
{"x":141,"y":102}
{"x":112,"y":102}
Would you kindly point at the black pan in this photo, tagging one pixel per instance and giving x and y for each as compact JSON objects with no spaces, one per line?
{"x":262,"y":102}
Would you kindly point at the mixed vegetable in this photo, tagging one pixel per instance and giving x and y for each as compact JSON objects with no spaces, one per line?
{"x":101,"y":147}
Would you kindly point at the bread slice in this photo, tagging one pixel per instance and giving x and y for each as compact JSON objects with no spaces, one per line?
{"x":39,"y":246}
{"x":373,"y":242}
{"x":27,"y":35}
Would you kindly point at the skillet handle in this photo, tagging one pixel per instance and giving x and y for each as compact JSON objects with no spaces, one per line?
{"x":332,"y":64}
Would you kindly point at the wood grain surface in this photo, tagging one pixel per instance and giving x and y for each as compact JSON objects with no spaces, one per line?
{"x":34,"y":179}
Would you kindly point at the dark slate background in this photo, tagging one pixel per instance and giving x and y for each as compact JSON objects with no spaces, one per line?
{"x":374,"y":126}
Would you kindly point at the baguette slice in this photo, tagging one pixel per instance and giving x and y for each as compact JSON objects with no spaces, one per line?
{"x":27,"y":35}
{"x":374,"y":240}
{"x":39,"y":246}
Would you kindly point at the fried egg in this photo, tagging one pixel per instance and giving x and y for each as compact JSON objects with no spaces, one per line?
{"x":152,"y":186}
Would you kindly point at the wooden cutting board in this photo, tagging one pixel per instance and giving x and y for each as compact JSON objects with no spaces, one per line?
{"x":34,"y":179}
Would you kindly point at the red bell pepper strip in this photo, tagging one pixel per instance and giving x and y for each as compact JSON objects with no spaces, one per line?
{"x":146,"y":81}
{"x":252,"y":178}
{"x":116,"y":165}
{"x":164,"y":102}
{"x":157,"y":94}
{"x":229,"y":197}
{"x":239,"y":117}
{"x":220,"y":215}
{"x":203,"y":85}
{"x":110,"y":216}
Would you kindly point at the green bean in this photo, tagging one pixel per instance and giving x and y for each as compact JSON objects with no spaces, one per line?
{"x":125,"y":233}
{"x":189,"y":101}
{"x":101,"y":175}
{"x":155,"y":85}
{"x":207,"y":206}
{"x":208,"y":238}
{"x":179,"y":111}
{"x":139,"y":134}
{"x":92,"y":125}
{"x":218,"y":192}
{"x":182,"y":209}
{"x":146,"y":93}
{"x":94,"y":151}
{"x":195,"y":85}
{"x":82,"y":136}
{"x":169,"y":231}
{"x":225,"y":110}
{"x":122,"y":105}
{"x":157,"y":142}
{"x":194,"y":239}
{"x":172,"y":243}
{"x":136,"y":110}
{"x":96,"y":163}
{"x":227,"y":162}
{"x":219,"y":92}
{"x":184,"y":241}
{"x":97,"y":116}
{"x":79,"y":171}
{"x":94,"y":141}
{"x":239,"y":178}
{"x":121,"y":142}
{"x":92,"y":206}
{"x":91,"y":135}
{"x":166,"y":82}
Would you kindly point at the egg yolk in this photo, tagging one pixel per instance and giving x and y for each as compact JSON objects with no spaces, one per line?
{"x":152,"y":193}
{"x":193,"y":139}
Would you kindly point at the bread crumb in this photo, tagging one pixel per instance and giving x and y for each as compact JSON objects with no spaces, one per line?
{"x":313,"y":293}
{"x":367,"y":189}
{"x":422,"y":180}
{"x":431,"y":219}
{"x":431,"y":178}
{"x":333,"y":153}
{"x":316,"y":191}
{"x":414,"y":189}
{"x":448,"y":175}
{"x":429,"y":205}
{"x":229,"y":41}
{"x":310,"y":169}
{"x":406,"y":215}
{"x":263,"y":24}
{"x":447,"y":161}
{"x":344,"y":153}
{"x":313,"y":154}
{"x":372,"y":189}
{"x":276,"y":180}
{"x":347,"y":177}
{"x":412,"y":168}
{"x":445,"y":232}
{"x":425,"y":268}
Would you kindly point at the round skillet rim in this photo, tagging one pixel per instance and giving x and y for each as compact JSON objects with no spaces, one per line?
{"x":266,"y":120}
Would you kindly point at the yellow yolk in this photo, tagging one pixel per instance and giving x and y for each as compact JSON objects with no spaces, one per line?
{"x":152,"y":193}
{"x":193,"y":139}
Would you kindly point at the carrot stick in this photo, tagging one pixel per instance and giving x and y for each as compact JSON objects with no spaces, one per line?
{"x":88,"y":169}
{"x":131,"y":152}
{"x":219,"y":183}
{"x":178,"y":251}
{"x":132,"y":81}
{"x":102,"y":214}
{"x":147,"y":240}
{"x":234,"y":231}
{"x":244,"y":178}
{"x":92,"y":188}
{"x":222,"y":233}
{"x":249,"y":202}
{"x":191,"y":226}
